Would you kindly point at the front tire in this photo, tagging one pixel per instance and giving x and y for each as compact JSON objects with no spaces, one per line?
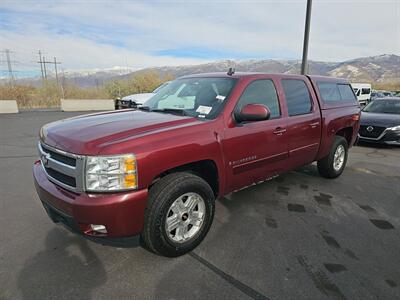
{"x":179,"y":213}
{"x":333,"y":164}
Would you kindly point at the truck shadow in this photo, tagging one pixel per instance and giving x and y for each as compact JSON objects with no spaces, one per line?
{"x":310,"y":170}
{"x":66,"y":268}
{"x":223,"y":281}
{"x":376,"y":145}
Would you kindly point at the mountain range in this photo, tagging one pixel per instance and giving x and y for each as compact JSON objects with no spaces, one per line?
{"x":381,"y":68}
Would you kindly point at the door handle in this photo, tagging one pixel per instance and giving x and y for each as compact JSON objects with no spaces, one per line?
{"x":313,"y":125}
{"x":279,"y":131}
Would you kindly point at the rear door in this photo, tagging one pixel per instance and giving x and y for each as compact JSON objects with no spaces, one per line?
{"x":254,"y":151}
{"x":304,"y":121}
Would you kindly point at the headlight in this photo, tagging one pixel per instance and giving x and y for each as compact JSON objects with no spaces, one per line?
{"x":113,"y":173}
{"x":42,"y":133}
{"x":395,"y":128}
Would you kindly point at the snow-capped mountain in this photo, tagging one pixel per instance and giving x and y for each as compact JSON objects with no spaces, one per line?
{"x":379,"y":68}
{"x":371,"y":69}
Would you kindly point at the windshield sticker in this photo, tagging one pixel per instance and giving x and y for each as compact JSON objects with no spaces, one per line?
{"x":204,"y":110}
{"x":220,"y":97}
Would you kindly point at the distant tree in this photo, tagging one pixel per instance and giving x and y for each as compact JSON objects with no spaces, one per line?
{"x":143,"y":82}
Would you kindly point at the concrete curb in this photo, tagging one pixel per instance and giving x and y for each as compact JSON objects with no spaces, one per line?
{"x":8,"y":107}
{"x":87,"y":104}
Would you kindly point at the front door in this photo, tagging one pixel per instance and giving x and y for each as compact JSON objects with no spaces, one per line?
{"x":254,"y":150}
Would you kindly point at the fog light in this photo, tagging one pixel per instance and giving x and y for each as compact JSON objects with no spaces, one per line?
{"x":99,"y":228}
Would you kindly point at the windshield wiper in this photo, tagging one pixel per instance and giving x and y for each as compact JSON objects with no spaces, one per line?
{"x":170,"y":110}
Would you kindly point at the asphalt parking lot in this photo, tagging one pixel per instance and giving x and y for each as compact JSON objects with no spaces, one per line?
{"x":298,"y":236}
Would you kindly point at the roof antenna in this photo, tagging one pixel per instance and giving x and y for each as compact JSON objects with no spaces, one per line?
{"x":231,"y":71}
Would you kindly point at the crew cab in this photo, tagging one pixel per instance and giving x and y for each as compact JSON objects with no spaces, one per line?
{"x":153,"y":174}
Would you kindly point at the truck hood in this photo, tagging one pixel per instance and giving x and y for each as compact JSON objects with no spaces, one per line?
{"x":88,"y":134}
{"x":377,"y":119}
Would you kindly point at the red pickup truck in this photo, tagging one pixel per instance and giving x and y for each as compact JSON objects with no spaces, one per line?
{"x":153,"y":174}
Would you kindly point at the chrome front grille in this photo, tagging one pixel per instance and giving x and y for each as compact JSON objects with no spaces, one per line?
{"x":62,"y":168}
{"x":373,"y":132}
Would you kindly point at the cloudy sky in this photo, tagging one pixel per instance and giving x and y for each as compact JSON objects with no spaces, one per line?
{"x":138,"y":34}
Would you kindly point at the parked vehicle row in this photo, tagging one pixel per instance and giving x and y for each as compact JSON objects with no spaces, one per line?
{"x":380,"y":121}
{"x":365,"y":93}
{"x":381,"y":94}
{"x":153,"y":173}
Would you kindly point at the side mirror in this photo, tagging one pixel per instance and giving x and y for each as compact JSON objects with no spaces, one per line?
{"x":253,"y":112}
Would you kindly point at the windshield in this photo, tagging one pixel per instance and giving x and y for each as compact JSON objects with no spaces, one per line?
{"x":383,"y":107}
{"x":160,"y":87}
{"x":197,"y":97}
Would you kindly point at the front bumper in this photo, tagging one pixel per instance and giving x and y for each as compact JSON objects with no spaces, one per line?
{"x":387,"y":137}
{"x":121,"y":213}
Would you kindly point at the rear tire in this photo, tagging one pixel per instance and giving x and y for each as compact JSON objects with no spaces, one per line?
{"x":170,"y":203}
{"x":334,"y":163}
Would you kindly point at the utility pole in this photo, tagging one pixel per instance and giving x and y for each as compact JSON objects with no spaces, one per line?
{"x":10,"y":71}
{"x":55,"y":62}
{"x":304,"y":63}
{"x":41,"y":64}
{"x":58,"y":83}
{"x":55,"y":68}
{"x":44,"y":67}
{"x":62,"y":83}
{"x":10,"y":63}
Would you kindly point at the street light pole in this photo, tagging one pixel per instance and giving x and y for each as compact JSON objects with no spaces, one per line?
{"x":304,"y":64}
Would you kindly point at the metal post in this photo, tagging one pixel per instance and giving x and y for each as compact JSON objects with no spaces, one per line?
{"x":41,"y":64}
{"x":44,"y":67}
{"x":304,"y":64}
{"x":55,"y":68}
{"x":10,"y":71}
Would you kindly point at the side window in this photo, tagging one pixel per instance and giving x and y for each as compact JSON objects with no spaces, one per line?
{"x":365,"y":91}
{"x":261,"y":92}
{"x":297,"y":97}
{"x":329,"y":91}
{"x":346,"y":92}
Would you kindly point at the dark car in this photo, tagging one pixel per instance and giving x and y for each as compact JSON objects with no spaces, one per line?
{"x":377,"y":95}
{"x":380,"y":121}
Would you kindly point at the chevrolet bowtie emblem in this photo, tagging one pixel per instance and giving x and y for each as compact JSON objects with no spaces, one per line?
{"x":45,"y":159}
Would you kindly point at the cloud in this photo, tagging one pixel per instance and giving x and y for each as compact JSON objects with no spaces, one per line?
{"x":146,"y":33}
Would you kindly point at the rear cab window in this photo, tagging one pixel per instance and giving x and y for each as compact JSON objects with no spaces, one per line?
{"x":336,"y":92}
{"x":346,"y":94}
